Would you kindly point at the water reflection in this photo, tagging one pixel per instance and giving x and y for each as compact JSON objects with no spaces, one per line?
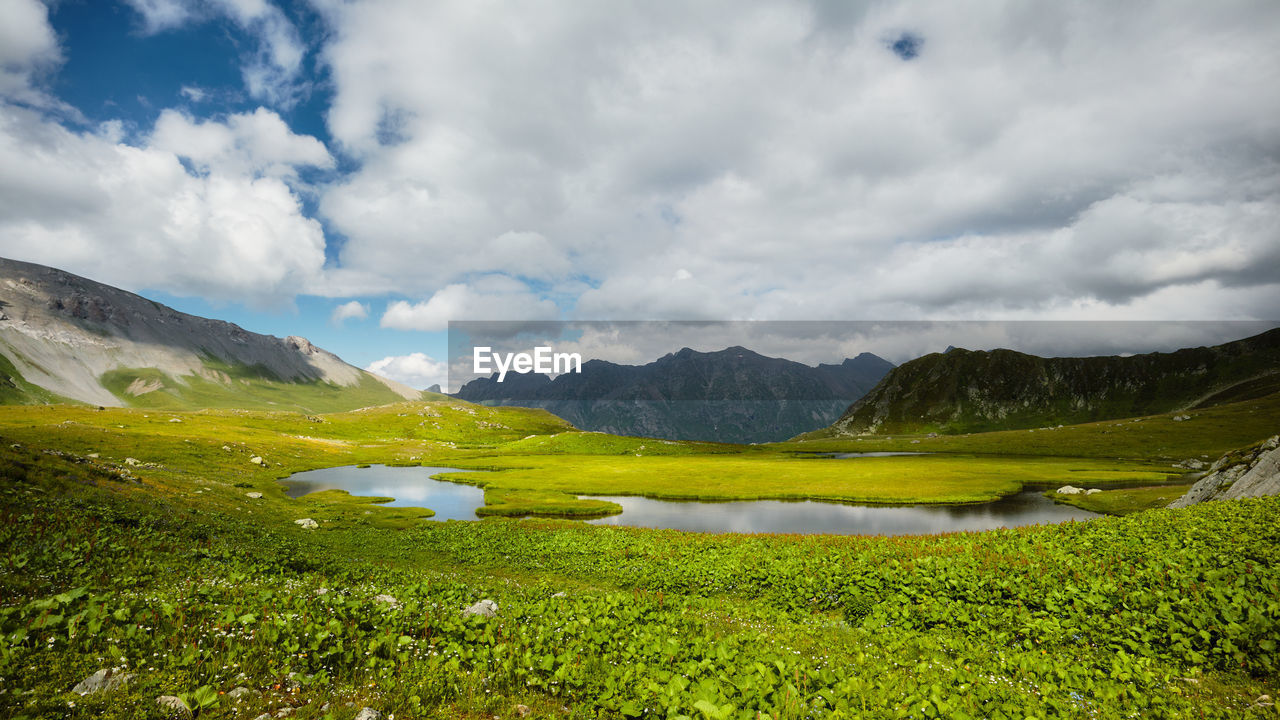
{"x":413,"y":487}
{"x":1029,"y":507}
{"x":410,"y":486}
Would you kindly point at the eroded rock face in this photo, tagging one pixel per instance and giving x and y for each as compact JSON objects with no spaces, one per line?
{"x":1252,"y":473}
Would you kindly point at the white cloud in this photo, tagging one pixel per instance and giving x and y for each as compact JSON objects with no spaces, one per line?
{"x":417,"y":370}
{"x":772,"y":160}
{"x":272,"y":72}
{"x":193,"y":93}
{"x":28,"y":48}
{"x":136,"y":218}
{"x":247,"y":143}
{"x":354,"y":310}
{"x":489,"y":298}
{"x":161,"y":15}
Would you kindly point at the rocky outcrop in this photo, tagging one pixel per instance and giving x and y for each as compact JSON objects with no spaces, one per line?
{"x":1254,"y":472}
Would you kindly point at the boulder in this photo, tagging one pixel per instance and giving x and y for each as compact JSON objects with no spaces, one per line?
{"x":1069,"y":490}
{"x":485,"y":608}
{"x":105,"y":679}
{"x":173,"y":706}
{"x":307,"y":524}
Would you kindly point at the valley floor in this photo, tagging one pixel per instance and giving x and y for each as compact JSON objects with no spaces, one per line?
{"x":131,"y":541}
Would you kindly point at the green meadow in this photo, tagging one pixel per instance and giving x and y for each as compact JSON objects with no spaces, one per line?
{"x":131,"y":541}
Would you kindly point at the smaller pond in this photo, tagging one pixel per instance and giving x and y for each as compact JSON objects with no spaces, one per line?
{"x":410,"y":486}
{"x":1028,"y":507}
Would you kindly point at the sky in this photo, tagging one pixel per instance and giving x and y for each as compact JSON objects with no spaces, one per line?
{"x":362,"y":172}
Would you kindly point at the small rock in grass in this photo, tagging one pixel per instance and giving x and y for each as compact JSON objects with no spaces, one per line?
{"x":559,"y":595}
{"x":307,"y":523}
{"x":227,"y":448}
{"x":173,"y":706}
{"x":486,"y":607}
{"x":387,"y":599}
{"x":92,"y":456}
{"x":132,"y":461}
{"x":1070,"y":490}
{"x":368,"y":713}
{"x":263,"y":716}
{"x":1091,"y":491}
{"x":239,"y":692}
{"x":284,"y":712}
{"x":105,"y":679}
{"x":256,"y":460}
{"x":175,"y":419}
{"x":253,"y":495}
{"x":523,"y":710}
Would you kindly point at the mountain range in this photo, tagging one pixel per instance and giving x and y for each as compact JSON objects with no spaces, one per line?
{"x":973,"y":391}
{"x":67,"y":338}
{"x":732,"y":395}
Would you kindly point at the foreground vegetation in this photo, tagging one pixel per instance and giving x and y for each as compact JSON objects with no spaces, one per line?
{"x":137,"y":539}
{"x":1165,"y":614}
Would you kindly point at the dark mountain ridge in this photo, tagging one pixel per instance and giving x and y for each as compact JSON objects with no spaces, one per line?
{"x":730,"y":395}
{"x":973,"y":391}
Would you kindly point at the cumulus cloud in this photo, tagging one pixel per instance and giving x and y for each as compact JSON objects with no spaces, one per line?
{"x":256,"y":143}
{"x":488,"y":298}
{"x":135,"y":217}
{"x":354,"y":310}
{"x":417,"y":370}
{"x":774,"y":160}
{"x":28,"y":48}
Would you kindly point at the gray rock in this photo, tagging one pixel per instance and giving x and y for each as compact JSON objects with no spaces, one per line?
{"x":1069,"y":490}
{"x":307,"y":524}
{"x":486,"y":607}
{"x":1234,"y":476}
{"x":106,"y":679}
{"x":1091,"y":491}
{"x":284,"y":712}
{"x":253,"y":495}
{"x":256,"y":460}
{"x":1262,"y":479}
{"x":263,"y":716}
{"x":173,"y":706}
{"x":239,"y":692}
{"x":559,"y":595}
{"x":132,"y":461}
{"x":368,"y":713}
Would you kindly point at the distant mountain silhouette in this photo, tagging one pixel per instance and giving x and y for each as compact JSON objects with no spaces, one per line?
{"x":732,"y":395}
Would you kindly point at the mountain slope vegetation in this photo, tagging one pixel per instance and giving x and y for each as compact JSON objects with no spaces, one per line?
{"x":964,"y":391}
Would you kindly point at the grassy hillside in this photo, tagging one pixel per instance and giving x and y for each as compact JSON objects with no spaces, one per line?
{"x":228,"y":386}
{"x":964,"y":391}
{"x":1206,"y":434}
{"x":168,"y":570}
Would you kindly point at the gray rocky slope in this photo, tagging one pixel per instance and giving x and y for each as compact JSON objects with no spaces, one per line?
{"x":62,"y":332}
{"x":1254,"y":472}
